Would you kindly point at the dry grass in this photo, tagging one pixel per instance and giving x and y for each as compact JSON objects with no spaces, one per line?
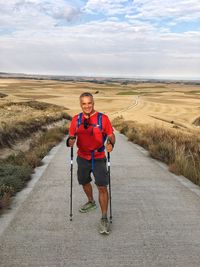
{"x":16,"y":170}
{"x":20,"y":120}
{"x":180,"y":150}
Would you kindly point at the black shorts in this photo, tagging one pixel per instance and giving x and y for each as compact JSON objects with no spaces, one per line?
{"x":85,"y":169}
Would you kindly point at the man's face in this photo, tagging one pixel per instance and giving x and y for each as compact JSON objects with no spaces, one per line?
{"x":87,"y":104}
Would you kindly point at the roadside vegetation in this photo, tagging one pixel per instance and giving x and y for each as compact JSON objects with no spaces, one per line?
{"x":17,"y":167}
{"x":180,"y":150}
{"x":20,"y":120}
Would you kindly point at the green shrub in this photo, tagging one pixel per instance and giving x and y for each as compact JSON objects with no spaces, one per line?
{"x":14,"y":176}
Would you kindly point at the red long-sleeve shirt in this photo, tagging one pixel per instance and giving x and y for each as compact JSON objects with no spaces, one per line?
{"x":90,"y":139}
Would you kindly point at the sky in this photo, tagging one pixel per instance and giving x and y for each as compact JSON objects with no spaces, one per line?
{"x":121,"y":38}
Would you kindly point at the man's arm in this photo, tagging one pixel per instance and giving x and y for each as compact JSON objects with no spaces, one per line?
{"x":108,"y":130}
{"x":112,"y":138}
{"x":72,"y":133}
{"x":110,"y":142}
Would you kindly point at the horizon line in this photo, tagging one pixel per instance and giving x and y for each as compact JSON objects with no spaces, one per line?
{"x":141,"y":77}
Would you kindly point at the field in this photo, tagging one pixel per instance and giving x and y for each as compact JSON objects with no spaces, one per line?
{"x":166,"y":104}
{"x":162,"y":117}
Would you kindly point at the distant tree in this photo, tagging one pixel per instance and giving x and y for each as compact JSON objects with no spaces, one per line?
{"x":125,"y":83}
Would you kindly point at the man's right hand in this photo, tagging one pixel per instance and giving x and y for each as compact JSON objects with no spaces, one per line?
{"x":70,"y":141}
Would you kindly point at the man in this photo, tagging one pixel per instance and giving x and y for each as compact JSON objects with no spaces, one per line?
{"x":90,"y":128}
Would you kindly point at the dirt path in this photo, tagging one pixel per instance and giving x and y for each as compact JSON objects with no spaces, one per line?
{"x":133,"y":104}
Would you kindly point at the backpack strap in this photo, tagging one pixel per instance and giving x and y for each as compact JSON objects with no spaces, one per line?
{"x":79,"y":120}
{"x":104,"y":136}
{"x":99,"y":120}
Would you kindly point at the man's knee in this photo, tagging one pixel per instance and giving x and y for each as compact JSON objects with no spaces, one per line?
{"x":102,"y":189}
{"x":87,"y":185}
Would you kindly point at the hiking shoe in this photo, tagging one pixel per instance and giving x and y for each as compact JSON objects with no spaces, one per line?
{"x":88,"y":207}
{"x":104,"y":227}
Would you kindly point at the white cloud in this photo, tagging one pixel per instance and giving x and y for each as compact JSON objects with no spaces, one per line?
{"x":108,"y":6}
{"x":67,"y":12}
{"x":127,"y":40}
{"x":180,"y":10}
{"x":19,"y":14}
{"x":102,"y":48}
{"x":177,"y":10}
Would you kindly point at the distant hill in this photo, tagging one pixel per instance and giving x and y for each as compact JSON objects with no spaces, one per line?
{"x":99,"y":80}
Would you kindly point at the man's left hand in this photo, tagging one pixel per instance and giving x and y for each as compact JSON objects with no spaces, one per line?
{"x":109,"y":147}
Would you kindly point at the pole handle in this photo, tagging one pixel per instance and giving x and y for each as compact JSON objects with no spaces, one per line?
{"x":72,"y":153}
{"x":108,"y":157}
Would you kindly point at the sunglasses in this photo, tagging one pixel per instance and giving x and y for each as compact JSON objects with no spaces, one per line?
{"x":86,"y":123}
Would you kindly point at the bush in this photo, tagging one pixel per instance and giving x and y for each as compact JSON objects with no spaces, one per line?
{"x":13,"y":177}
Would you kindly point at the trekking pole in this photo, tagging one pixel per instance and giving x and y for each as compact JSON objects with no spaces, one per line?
{"x":71,"y":184}
{"x":109,"y":182}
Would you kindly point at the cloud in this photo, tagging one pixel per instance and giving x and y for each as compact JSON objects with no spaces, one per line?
{"x":176,"y":10}
{"x":108,"y":6}
{"x":19,"y":14}
{"x":102,"y":48}
{"x":121,"y":38}
{"x":179,"y":10}
{"x":66,"y":13}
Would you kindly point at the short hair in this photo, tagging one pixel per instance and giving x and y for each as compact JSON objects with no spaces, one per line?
{"x":86,"y":94}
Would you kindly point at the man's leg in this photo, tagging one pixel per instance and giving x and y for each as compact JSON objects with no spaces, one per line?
{"x":103,"y":200}
{"x":101,"y":180}
{"x":104,"y":227}
{"x":84,"y":170}
{"x":88,"y":191}
{"x":90,"y":205}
